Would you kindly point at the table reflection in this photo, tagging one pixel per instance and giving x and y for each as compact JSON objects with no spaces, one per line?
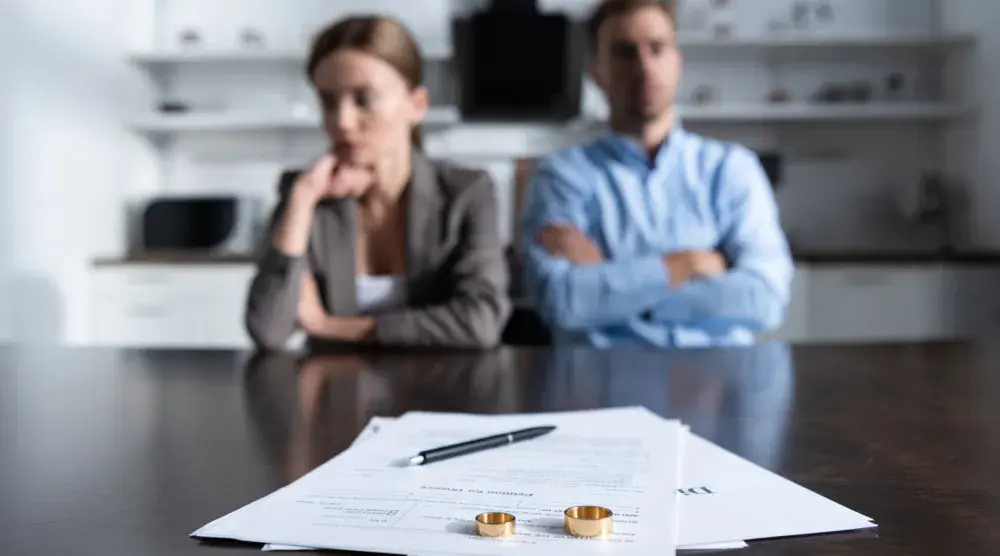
{"x":740,"y":398}
{"x":306,"y":410}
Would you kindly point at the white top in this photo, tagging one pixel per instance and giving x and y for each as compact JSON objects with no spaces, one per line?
{"x":380,"y":293}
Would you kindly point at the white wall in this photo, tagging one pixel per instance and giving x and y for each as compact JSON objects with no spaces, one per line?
{"x":65,"y":162}
{"x":973,"y":149}
{"x":6,"y":156}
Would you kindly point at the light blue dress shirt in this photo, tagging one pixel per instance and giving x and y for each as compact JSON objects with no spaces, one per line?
{"x":695,"y":194}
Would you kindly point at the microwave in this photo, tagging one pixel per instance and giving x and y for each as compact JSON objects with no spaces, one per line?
{"x":228,"y":224}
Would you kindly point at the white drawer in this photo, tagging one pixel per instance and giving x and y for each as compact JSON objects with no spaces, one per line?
{"x":158,"y":280}
{"x":858,"y":304}
{"x":143,"y":324}
{"x":795,"y":327}
{"x":121,"y":282}
{"x":171,"y":306}
{"x":220,"y":320}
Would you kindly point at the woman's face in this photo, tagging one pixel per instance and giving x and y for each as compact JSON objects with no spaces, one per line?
{"x":368,"y":107}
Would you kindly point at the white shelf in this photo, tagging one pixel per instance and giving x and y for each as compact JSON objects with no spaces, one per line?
{"x":806,"y":113}
{"x":170,"y":57}
{"x":197,"y":56}
{"x":790,"y":42}
{"x":441,"y":117}
{"x":235,"y":122}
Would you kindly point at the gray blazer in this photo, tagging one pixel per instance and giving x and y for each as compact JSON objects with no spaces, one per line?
{"x":457,"y":276}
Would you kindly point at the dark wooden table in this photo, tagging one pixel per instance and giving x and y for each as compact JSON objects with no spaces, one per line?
{"x":116,"y":452}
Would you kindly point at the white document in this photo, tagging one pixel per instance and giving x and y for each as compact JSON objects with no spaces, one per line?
{"x":376,"y":424}
{"x":696,"y":548}
{"x":365,"y":500}
{"x":725,"y":498}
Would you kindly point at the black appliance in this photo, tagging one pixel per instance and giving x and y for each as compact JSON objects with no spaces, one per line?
{"x":225,"y":224}
{"x":772,"y":164}
{"x":515,"y":63}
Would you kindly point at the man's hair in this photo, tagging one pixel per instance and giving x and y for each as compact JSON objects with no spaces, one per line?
{"x":607,"y":9}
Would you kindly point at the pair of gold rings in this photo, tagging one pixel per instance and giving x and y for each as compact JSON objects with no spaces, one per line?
{"x":579,"y":521}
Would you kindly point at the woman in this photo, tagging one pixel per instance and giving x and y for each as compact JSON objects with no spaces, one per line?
{"x":376,"y":244}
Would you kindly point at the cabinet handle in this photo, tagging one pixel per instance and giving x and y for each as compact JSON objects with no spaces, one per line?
{"x":867,"y":279}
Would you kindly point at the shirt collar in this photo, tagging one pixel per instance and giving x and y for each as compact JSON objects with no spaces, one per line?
{"x":626,"y":148}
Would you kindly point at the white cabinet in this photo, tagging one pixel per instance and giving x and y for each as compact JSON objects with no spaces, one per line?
{"x":974,"y":292}
{"x":201,"y":305}
{"x":796,"y":325}
{"x":187,"y":306}
{"x":880,"y":302}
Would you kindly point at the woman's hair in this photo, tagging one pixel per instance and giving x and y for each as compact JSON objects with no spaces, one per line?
{"x":381,"y":36}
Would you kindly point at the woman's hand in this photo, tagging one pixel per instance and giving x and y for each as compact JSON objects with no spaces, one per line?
{"x":325,"y":179}
{"x":328,"y":179}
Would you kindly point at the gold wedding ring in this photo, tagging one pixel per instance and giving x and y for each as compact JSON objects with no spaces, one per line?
{"x":495,"y":524}
{"x":588,"y":521}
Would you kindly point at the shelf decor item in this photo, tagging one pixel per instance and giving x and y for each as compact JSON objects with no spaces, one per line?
{"x":253,"y":38}
{"x":801,"y":14}
{"x":779,"y":96}
{"x":703,"y":95}
{"x":190,"y":38}
{"x":173,"y":107}
{"x":722,"y":31}
{"x":724,"y":21}
{"x":859,"y":92}
{"x":895,"y":86}
{"x":830,"y":93}
{"x":812,"y":15}
{"x":823,"y":12}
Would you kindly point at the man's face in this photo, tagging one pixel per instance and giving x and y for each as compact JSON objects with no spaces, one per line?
{"x":637,"y":63}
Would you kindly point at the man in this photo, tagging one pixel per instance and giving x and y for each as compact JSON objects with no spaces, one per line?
{"x":652,"y":234}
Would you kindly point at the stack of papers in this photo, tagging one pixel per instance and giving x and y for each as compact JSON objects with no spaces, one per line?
{"x":668,"y":488}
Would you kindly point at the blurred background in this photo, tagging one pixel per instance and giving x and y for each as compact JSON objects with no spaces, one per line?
{"x":143,"y":140}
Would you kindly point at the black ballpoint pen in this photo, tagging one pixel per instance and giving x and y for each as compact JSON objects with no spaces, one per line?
{"x":478,"y":445}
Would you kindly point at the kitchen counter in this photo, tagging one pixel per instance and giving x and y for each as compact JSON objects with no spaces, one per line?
{"x":819,"y":257}
{"x":185,"y":299}
{"x":174,"y":258}
{"x":895,"y":257}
